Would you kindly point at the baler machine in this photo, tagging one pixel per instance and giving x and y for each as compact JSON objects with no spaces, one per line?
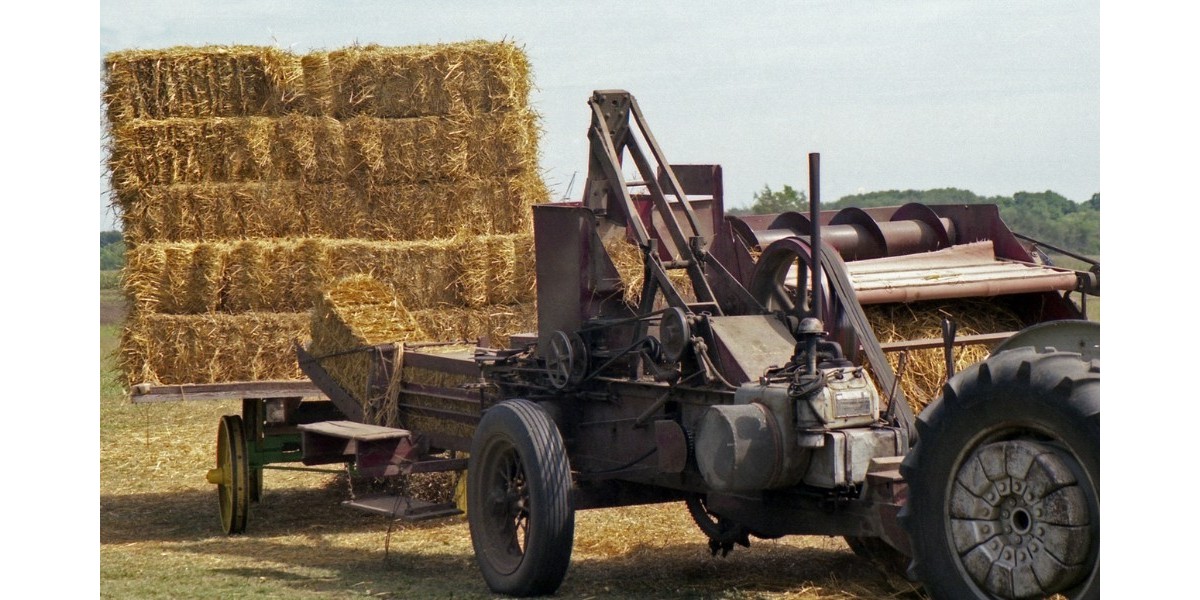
{"x":756,"y":392}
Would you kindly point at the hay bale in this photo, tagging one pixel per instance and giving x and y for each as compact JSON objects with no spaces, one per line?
{"x":418,"y":274}
{"x":179,"y":278}
{"x":414,"y":81}
{"x":210,"y":348}
{"x":359,"y":312}
{"x":232,"y":211}
{"x":285,"y":275}
{"x":925,"y":371}
{"x":210,"y":81}
{"x":288,"y":208}
{"x":350,"y":317}
{"x":481,"y":206}
{"x":226,"y":149}
{"x":387,"y":151}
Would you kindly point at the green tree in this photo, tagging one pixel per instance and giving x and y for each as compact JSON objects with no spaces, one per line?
{"x":768,"y":201}
{"x":112,"y":250}
{"x":110,"y":237}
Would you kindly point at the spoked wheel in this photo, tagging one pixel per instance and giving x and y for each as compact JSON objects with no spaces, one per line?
{"x":520,"y":512}
{"x":1004,"y":482}
{"x":232,"y":475}
{"x":722,"y":533}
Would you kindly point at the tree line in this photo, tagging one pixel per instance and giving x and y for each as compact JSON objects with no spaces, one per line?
{"x":112,"y":250}
{"x":1045,"y":216}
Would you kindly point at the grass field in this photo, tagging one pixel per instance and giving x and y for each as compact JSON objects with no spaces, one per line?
{"x":160,"y":535}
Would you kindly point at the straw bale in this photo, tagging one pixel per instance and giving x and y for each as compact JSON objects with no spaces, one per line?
{"x":436,"y":148}
{"x":309,"y":148}
{"x":925,"y":371}
{"x":285,"y":275}
{"x":232,"y":211}
{"x":419,"y":274}
{"x":349,"y":317}
{"x":466,"y":207}
{"x":412,"y":81}
{"x":210,"y":81}
{"x":496,"y":322}
{"x":405,"y":150}
{"x":181,"y":278}
{"x":288,"y":208}
{"x":226,"y":149}
{"x":210,"y":348}
{"x":358,"y":312}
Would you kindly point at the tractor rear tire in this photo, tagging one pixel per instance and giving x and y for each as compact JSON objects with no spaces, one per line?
{"x":1004,"y":481}
{"x":519,"y":505}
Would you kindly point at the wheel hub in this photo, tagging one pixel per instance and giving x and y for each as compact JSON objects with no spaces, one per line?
{"x":1020,"y":521}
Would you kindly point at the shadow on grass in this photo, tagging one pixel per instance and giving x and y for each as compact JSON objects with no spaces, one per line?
{"x":302,"y":541}
{"x":191,"y":515}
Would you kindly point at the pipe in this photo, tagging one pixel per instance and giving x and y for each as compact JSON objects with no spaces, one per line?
{"x":814,"y":209}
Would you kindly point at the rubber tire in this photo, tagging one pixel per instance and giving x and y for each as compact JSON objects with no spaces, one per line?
{"x":522,"y":427}
{"x":1049,"y":396}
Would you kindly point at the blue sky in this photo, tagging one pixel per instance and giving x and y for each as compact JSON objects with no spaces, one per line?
{"x":988,"y":96}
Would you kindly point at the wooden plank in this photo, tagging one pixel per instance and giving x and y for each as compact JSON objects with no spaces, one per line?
{"x":144,"y":393}
{"x":351,"y":430}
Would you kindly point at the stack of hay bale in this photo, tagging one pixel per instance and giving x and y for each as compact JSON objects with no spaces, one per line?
{"x":249,"y":179}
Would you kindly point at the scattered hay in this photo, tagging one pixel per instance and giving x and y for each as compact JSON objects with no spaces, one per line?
{"x":210,"y":348}
{"x":925,"y":371}
{"x":212,"y":81}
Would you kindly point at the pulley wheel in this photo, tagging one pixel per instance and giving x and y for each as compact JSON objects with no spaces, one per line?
{"x":675,"y":334}
{"x":566,"y":360}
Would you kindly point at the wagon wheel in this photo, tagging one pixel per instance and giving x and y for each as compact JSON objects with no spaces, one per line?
{"x":232,"y":475}
{"x":1004,"y":482}
{"x":519,"y":509}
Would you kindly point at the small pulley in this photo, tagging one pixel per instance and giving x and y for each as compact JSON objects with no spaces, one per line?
{"x":566,"y":360}
{"x":675,"y":333}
